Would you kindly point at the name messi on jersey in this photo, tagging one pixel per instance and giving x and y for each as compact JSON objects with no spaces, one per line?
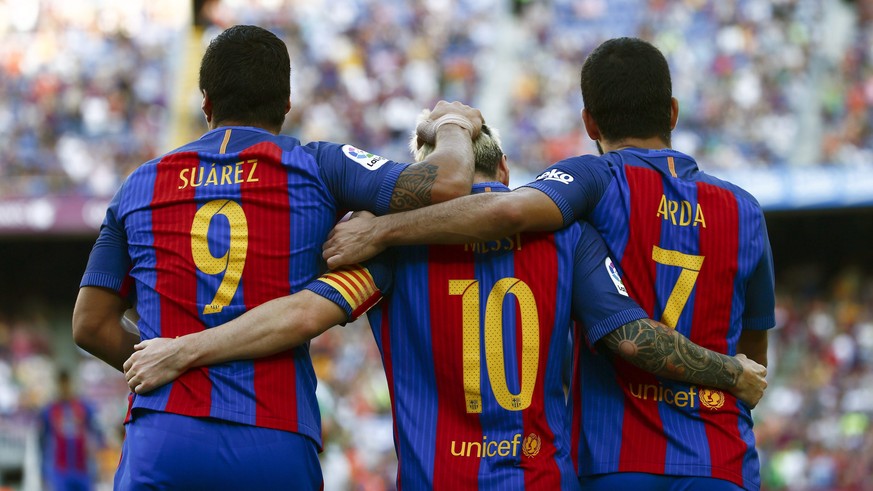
{"x":504,"y":244}
{"x":238,"y":173}
{"x":679,"y":213}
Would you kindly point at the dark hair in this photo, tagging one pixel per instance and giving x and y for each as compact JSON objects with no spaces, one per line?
{"x":626,"y":88}
{"x":246,"y":72}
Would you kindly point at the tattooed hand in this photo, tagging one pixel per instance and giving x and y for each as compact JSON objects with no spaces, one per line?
{"x":751,"y":384}
{"x":660,"y":350}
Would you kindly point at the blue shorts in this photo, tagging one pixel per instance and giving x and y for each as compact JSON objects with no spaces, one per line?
{"x":170,"y":451}
{"x":654,"y":482}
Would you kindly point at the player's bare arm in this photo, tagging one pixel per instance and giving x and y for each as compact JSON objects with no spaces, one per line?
{"x":474,"y":218}
{"x":270,"y":328}
{"x":658,"y":349}
{"x":97,"y":325}
{"x":447,"y":172}
{"x":754,"y":345}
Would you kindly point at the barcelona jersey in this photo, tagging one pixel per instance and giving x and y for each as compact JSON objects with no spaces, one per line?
{"x":67,"y":438}
{"x":218,"y":227}
{"x":693,"y":251}
{"x":473,"y":340}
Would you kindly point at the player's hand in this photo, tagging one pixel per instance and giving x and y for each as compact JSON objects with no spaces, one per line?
{"x":449,"y":113}
{"x":751,"y":384}
{"x":352,"y":241}
{"x":154,"y":363}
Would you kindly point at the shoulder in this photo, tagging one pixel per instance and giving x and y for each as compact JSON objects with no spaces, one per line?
{"x":738,"y":192}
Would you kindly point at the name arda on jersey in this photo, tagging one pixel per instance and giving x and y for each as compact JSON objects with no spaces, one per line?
{"x":555,"y":175}
{"x":679,"y":213}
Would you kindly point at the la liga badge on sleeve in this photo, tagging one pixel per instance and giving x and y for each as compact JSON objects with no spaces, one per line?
{"x":367,"y":160}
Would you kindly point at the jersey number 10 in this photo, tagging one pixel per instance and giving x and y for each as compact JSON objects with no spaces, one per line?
{"x":494,"y":356}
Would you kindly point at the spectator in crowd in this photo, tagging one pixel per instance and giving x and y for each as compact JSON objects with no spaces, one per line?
{"x":69,"y":439}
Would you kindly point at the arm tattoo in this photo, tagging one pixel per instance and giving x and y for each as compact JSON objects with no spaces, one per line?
{"x":662,"y":351}
{"x":413,"y":187}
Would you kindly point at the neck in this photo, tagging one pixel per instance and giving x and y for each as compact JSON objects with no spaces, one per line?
{"x":214,"y":125}
{"x":653,"y":143}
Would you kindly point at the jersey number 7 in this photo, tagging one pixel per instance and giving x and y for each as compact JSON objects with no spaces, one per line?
{"x":690,"y":265}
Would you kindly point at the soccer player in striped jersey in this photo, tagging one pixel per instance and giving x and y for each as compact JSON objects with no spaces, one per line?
{"x":223,"y":224}
{"x":692,"y":249}
{"x":471,"y":338}
{"x":68,"y":440}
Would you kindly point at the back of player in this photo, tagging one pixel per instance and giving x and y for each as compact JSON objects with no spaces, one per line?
{"x":473,"y":339}
{"x":213,"y":229}
{"x":474,"y":363}
{"x":68,"y":440}
{"x":692,"y":250}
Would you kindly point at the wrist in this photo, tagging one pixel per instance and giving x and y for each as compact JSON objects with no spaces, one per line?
{"x":188,"y":351}
{"x":385,"y":233}
{"x":453,"y":122}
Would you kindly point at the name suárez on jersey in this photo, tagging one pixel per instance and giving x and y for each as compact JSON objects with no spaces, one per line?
{"x":212,"y":175}
{"x":679,"y":213}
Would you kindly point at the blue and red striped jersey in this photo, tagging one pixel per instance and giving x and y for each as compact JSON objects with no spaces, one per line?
{"x":694,"y":252}
{"x":218,"y":227}
{"x":473,"y":341}
{"x":68,"y":436}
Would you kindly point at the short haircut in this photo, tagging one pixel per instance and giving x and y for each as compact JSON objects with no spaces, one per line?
{"x":246,"y":72}
{"x":487,"y":149}
{"x":626,"y":88}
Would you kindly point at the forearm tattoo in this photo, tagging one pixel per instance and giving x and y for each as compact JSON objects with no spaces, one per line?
{"x":662,"y":351}
{"x":413,"y":187}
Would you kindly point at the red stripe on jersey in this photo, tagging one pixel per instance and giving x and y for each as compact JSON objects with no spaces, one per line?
{"x":388,"y":363}
{"x":80,"y":416}
{"x":537,"y":266}
{"x":57,"y":422}
{"x":265,"y":277}
{"x":642,"y":423}
{"x":454,"y":424}
{"x":129,"y":408}
{"x":367,"y":305}
{"x":711,"y":321}
{"x":173,"y":211}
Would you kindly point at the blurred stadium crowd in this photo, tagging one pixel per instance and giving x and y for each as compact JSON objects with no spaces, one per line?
{"x":84,"y":98}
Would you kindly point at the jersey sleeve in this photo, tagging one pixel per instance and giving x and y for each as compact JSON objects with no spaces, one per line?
{"x":600,"y":300}
{"x":357,"y":288}
{"x":358,"y":180}
{"x":109,"y":262}
{"x":760,"y":305}
{"x":575,"y":185}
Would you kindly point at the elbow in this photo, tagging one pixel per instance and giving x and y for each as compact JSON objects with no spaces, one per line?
{"x":308,"y":322}
{"x":84,"y":331}
{"x":309,"y":328}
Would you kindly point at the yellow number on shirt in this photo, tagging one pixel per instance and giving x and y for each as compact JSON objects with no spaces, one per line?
{"x":494,"y":356}
{"x":690,"y":265}
{"x":234,"y":259}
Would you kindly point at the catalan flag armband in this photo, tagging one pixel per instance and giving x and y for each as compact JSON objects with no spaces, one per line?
{"x":357,"y":287}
